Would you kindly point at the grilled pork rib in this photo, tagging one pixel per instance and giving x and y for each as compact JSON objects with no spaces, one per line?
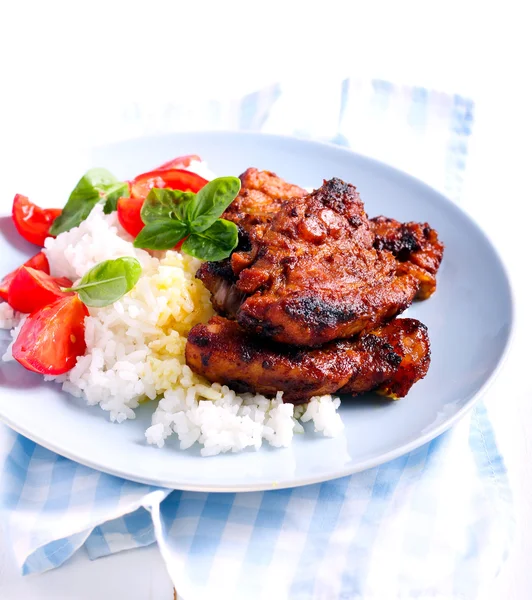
{"x":390,"y":359}
{"x":314,"y":276}
{"x":415,"y":246}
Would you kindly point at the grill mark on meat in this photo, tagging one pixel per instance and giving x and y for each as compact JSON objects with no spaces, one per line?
{"x":335,"y":189}
{"x":320,"y":313}
{"x":222,"y":269}
{"x":402,"y":246}
{"x":355,"y":221}
{"x":247,"y":353}
{"x":262,"y":328}
{"x":394,"y":359}
{"x":199,"y":340}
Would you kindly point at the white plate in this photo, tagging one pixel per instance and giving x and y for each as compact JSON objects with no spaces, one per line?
{"x":469,"y":320}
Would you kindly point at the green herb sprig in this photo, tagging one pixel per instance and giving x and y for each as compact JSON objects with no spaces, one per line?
{"x":170,"y":216}
{"x":97,"y":185}
{"x":108,"y":281}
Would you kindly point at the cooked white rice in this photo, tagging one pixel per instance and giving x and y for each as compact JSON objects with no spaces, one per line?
{"x":8,"y":317}
{"x":136,"y":351}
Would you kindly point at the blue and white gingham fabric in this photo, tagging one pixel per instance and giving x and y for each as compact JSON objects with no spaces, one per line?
{"x":436,"y":523}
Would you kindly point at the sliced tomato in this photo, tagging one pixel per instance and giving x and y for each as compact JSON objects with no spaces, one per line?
{"x":181,"y":162}
{"x":32,"y":289}
{"x":175,"y":179}
{"x":52,"y":337}
{"x":32,"y":222}
{"x":39,"y":262}
{"x":128,"y":210}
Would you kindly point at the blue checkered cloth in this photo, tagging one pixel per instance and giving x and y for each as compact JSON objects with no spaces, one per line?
{"x":435,"y":523}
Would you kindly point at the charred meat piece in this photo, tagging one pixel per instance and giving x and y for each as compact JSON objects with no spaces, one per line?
{"x":314,"y":275}
{"x":260,"y":197}
{"x":415,"y":245}
{"x":390,"y":359}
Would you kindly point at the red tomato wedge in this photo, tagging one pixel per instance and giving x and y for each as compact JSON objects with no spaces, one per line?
{"x":39,"y":262}
{"x":128,"y":210}
{"x":32,"y":222}
{"x":32,"y":289}
{"x":181,"y":162}
{"x":175,"y":179}
{"x":52,"y":337}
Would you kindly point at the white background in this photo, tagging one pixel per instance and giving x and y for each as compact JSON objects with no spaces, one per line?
{"x":66,"y":69}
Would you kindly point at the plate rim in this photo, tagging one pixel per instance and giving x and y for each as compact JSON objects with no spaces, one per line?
{"x":361,"y":465}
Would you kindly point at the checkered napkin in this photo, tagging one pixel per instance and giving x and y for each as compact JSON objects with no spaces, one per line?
{"x":435,"y":523}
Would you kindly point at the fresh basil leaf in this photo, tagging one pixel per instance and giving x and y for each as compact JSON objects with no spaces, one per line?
{"x":211,"y":201}
{"x":108,"y":281}
{"x":118,"y":190}
{"x":165,"y":204}
{"x":93,"y":187}
{"x":215,"y":243}
{"x":161,"y":235}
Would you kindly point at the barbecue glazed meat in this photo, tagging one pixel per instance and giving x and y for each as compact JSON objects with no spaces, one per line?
{"x":314,"y":275}
{"x":260,"y":198}
{"x":390,"y":359}
{"x":415,"y":245}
